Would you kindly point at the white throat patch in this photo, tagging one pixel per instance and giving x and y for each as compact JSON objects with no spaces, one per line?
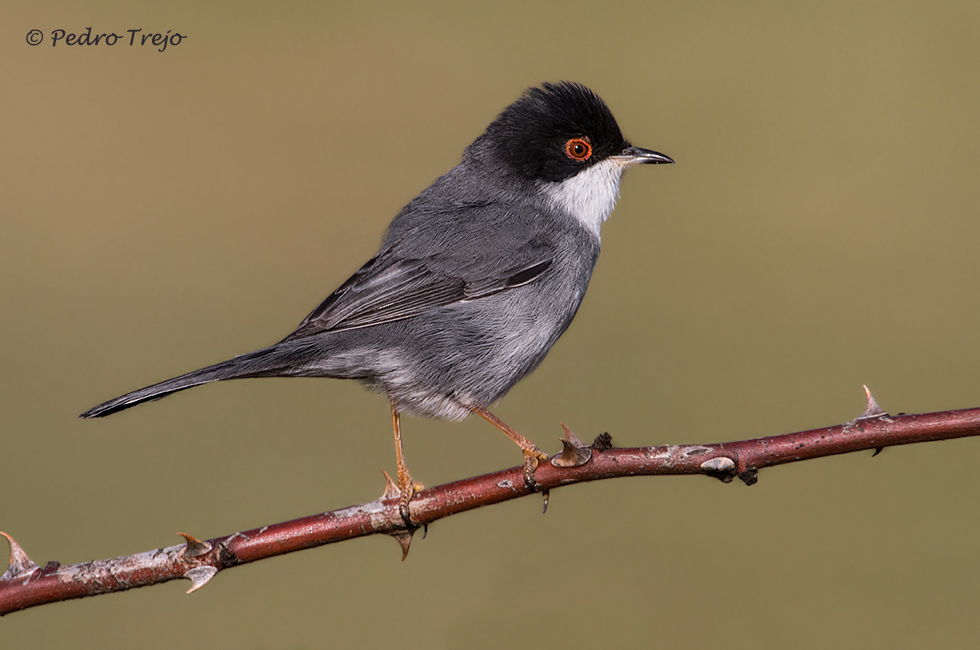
{"x":590,"y":195}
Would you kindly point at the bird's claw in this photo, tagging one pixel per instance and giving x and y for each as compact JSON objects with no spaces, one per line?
{"x":532,"y":457}
{"x":406,"y":494}
{"x":404,"y":490}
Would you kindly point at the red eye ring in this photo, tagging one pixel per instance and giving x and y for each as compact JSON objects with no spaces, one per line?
{"x":578,"y":149}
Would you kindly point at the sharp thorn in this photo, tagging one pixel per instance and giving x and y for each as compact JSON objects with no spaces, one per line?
{"x":391,"y":488}
{"x":871,"y":409}
{"x":199,"y":576}
{"x":877,"y":451}
{"x":574,"y":453}
{"x":404,"y":539}
{"x":20,"y":563}
{"x":195,"y":547}
{"x":570,"y":435}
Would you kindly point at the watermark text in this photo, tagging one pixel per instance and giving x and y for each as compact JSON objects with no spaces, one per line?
{"x":130,"y":37}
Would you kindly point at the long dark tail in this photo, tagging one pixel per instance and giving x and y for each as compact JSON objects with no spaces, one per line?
{"x":271,"y":362}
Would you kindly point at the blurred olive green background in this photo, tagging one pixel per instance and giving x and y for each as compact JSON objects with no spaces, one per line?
{"x":164,"y":211}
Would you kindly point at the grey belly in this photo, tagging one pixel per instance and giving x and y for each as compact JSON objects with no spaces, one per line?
{"x":443,"y":363}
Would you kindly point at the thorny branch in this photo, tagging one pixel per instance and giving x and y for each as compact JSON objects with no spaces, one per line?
{"x":25,"y":584}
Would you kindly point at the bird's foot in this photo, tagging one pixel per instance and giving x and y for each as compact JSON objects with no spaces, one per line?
{"x":404,"y":490}
{"x":532,"y":456}
{"x":407,"y":487}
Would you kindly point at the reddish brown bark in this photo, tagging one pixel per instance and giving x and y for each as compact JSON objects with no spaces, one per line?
{"x":27,"y":585}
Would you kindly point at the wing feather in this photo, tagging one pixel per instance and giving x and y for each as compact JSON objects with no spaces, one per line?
{"x":386,"y":290}
{"x":411,"y":276}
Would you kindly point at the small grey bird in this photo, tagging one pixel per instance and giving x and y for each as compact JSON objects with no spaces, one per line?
{"x":475,"y":280}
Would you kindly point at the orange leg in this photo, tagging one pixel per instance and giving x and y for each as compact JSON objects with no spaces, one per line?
{"x":531,"y":452}
{"x":406,"y":485}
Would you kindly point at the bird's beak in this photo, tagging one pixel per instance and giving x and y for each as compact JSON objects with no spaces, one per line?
{"x":636,"y":156}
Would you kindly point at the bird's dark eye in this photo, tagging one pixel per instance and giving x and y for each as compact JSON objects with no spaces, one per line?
{"x":578,"y":149}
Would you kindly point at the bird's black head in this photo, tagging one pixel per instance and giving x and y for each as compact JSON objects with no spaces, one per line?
{"x":553,"y":132}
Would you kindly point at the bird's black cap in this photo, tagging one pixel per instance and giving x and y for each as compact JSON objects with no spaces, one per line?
{"x":533,"y":136}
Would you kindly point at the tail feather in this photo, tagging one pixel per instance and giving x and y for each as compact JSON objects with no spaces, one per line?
{"x":269,"y":362}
